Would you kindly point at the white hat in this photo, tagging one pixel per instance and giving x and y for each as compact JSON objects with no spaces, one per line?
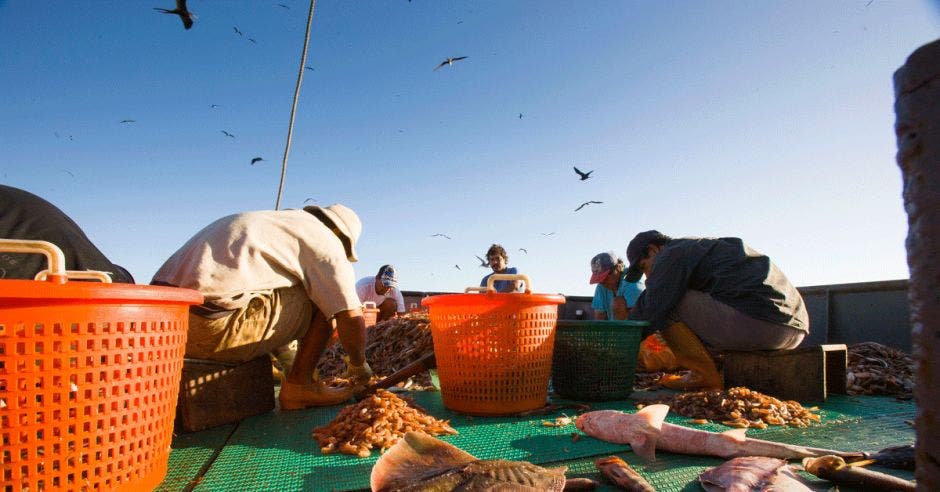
{"x":344,"y":222}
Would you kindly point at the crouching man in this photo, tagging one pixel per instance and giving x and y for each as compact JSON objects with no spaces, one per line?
{"x":269,"y":278}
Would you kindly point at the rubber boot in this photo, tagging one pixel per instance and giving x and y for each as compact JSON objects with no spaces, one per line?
{"x":692,"y":355}
{"x":295,"y":396}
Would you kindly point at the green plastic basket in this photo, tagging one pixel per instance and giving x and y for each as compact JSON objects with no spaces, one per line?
{"x":595,"y":360}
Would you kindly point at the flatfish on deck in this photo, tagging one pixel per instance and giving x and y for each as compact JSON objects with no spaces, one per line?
{"x":419,"y":462}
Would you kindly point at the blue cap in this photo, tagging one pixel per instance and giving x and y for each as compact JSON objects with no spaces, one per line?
{"x":387,"y":274}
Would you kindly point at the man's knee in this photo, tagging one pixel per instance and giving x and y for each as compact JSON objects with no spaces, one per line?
{"x":387,"y":309}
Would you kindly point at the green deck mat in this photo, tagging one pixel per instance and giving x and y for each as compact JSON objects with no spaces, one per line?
{"x":275,"y":451}
{"x":191,"y":453}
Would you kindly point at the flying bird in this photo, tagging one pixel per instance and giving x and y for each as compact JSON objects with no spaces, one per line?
{"x":213,"y":106}
{"x":457,"y":267}
{"x":256,"y":159}
{"x":128,"y":121}
{"x":237,"y":31}
{"x":586,"y":204}
{"x":227,"y":134}
{"x":440,"y":235}
{"x":449,"y":61}
{"x":524,"y":250}
{"x":548,"y":233}
{"x":185,"y":15}
{"x":308,"y":67}
{"x":310,"y":200}
{"x":69,"y":172}
{"x":285,"y":6}
{"x":483,"y":263}
{"x":583,"y":174}
{"x":252,"y":40}
{"x":520,"y":116}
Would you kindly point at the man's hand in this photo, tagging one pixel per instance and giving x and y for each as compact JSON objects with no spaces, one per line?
{"x":359,"y":376}
{"x":619,"y":308}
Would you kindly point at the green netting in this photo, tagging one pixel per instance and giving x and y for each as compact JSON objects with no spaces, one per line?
{"x":191,"y":452}
{"x":276,"y":452}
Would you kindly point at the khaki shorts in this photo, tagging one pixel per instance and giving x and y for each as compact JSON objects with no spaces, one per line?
{"x":269,"y":320}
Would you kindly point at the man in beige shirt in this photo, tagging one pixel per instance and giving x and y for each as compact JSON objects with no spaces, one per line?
{"x":271,"y":277}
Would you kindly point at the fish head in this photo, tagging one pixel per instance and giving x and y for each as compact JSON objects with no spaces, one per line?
{"x":640,"y":430}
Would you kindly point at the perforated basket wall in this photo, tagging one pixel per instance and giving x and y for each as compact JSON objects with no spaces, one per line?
{"x":595,"y":360}
{"x":89,"y":376}
{"x":493,"y":351}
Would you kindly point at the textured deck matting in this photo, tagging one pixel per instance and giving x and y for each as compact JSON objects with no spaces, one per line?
{"x":276,"y":451}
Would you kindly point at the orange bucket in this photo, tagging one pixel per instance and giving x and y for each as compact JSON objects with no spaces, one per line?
{"x":493,"y":350}
{"x":89,"y":376}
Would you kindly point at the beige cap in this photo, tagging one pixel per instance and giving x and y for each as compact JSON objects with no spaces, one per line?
{"x":344,"y":222}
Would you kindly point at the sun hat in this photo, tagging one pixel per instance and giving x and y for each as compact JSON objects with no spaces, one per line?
{"x":343,"y":222}
{"x":601,"y":265}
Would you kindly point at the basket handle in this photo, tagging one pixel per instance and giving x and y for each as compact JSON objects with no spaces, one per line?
{"x":103,"y":277}
{"x":54,"y":257}
{"x":502,"y":276}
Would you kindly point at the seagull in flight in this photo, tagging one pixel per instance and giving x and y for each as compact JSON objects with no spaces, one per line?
{"x":128,"y":121}
{"x":548,"y":233}
{"x":524,"y":250}
{"x":483,"y":263}
{"x":449,"y":61}
{"x":310,"y":200}
{"x":308,"y":67}
{"x":256,"y":159}
{"x":586,"y":204}
{"x":583,"y":174}
{"x":213,"y":106}
{"x":252,"y":40}
{"x":237,"y":31}
{"x":185,"y":15}
{"x":440,"y":235}
{"x":227,"y":134}
{"x":520,"y":116}
{"x":457,"y":266}
{"x":285,"y":6}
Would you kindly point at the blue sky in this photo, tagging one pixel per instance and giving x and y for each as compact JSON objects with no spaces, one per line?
{"x":770,"y":121}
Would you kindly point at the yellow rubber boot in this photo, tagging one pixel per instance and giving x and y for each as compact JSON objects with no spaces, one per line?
{"x":295,"y":396}
{"x":692,"y":355}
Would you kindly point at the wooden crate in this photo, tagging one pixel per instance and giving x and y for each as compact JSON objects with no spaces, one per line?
{"x":213,"y":393}
{"x":802,"y":374}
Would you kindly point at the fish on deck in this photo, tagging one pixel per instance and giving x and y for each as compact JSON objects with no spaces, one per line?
{"x":751,"y":473}
{"x":836,"y":470}
{"x":420,"y":462}
{"x":646,"y":432}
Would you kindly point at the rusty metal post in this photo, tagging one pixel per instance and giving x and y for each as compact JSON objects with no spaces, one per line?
{"x":917,"y":106}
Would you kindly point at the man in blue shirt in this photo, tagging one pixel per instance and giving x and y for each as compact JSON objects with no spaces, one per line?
{"x":499,"y":262}
{"x":614,"y":296}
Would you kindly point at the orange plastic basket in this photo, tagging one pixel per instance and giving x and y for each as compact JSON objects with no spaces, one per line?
{"x":370,"y":314}
{"x":494,"y":351}
{"x":89,"y":376}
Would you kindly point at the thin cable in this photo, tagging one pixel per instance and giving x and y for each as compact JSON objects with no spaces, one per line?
{"x":293,"y":108}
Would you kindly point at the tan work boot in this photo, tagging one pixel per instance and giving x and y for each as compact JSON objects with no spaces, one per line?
{"x":295,"y":396}
{"x":692,"y":355}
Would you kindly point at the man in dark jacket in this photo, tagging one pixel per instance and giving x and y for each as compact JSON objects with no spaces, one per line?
{"x":24,"y":215}
{"x":716,"y":291}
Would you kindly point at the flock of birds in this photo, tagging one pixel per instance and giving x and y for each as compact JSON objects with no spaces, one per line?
{"x":188,"y":19}
{"x":584,"y":176}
